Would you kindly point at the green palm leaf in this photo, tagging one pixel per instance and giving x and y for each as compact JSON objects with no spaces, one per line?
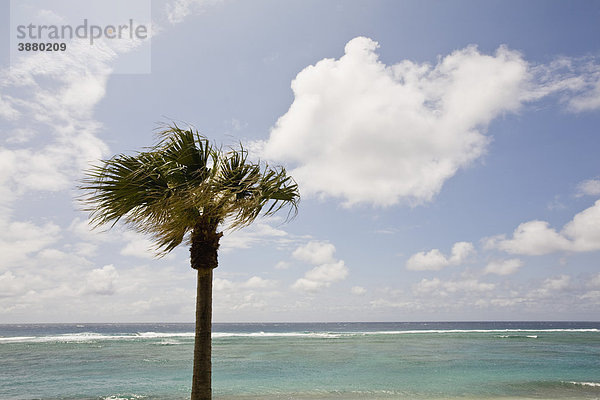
{"x":181,"y":182}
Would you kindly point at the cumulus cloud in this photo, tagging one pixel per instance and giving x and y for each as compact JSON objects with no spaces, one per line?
{"x":327,"y":270}
{"x":584,"y":229}
{"x":366,"y":132}
{"x":102,"y":280}
{"x":530,"y":238}
{"x":434,"y":260}
{"x":322,"y":276}
{"x":503,"y":267}
{"x":581,"y":234}
{"x":315,"y":252}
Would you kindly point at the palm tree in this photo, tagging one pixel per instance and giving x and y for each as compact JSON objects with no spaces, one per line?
{"x":183,"y":188}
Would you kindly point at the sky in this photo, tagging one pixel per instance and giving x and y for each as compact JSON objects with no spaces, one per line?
{"x":446,"y":154}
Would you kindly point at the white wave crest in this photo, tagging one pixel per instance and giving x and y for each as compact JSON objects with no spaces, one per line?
{"x":593,"y":384}
{"x":94,"y":337}
{"x":127,"y":397}
{"x":87,"y":337}
{"x":153,"y":335}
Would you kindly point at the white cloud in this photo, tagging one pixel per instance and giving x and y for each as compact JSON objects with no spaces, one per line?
{"x":581,"y":234}
{"x":20,"y":135}
{"x":530,"y":238}
{"x":260,"y":232}
{"x":367,"y":132}
{"x":557,"y":295}
{"x":10,"y":285}
{"x":385,"y":303}
{"x":559,"y":283}
{"x":551,"y":286}
{"x":587,"y":102}
{"x":307,"y":285}
{"x":282,"y":265}
{"x":322,"y":276}
{"x":102,"y":280}
{"x":576,"y":80}
{"x":460,"y":252}
{"x":468,"y":285}
{"x":593,"y":295}
{"x":255,"y":293}
{"x":327,"y":269}
{"x":590,"y":187}
{"x":257,"y":282}
{"x":53,"y":99}
{"x":18,"y":240}
{"x":584,"y":229}
{"x":503,"y":267}
{"x":83,"y":230}
{"x":595,"y":281}
{"x":178,"y":10}
{"x":441,"y":288}
{"x":220,"y":284}
{"x":434,"y":260}
{"x":315,"y":252}
{"x":328,"y":272}
{"x":358,"y":290}
{"x":138,"y":246}
{"x":7,"y":111}
{"x":589,"y":98}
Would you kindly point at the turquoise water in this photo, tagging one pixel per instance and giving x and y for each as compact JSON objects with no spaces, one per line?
{"x":488,"y":360}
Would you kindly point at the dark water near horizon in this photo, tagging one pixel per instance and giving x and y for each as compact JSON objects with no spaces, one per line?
{"x":434,"y":360}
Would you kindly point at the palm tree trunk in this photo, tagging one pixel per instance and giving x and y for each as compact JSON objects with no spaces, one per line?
{"x":203,"y":258}
{"x":201,"y":380}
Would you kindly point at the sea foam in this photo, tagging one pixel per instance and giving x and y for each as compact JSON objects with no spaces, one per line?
{"x":86,"y":337}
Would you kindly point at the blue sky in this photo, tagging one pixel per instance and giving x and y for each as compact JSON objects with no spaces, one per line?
{"x":446,"y":152}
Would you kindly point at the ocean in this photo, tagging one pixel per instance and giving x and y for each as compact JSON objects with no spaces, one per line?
{"x":434,"y":360}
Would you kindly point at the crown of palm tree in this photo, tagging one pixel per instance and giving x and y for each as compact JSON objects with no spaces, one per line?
{"x":184,"y":181}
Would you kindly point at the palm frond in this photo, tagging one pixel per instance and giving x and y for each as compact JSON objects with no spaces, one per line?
{"x":182,"y":181}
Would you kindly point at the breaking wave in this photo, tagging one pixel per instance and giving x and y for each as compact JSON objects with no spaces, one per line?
{"x":95,"y":337}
